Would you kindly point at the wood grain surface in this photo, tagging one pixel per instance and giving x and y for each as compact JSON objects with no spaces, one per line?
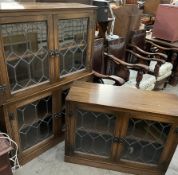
{"x":124,"y":98}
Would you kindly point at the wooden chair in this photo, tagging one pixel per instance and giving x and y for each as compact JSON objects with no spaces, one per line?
{"x":146,"y":81}
{"x":108,"y":69}
{"x":98,"y":66}
{"x":155,"y":57}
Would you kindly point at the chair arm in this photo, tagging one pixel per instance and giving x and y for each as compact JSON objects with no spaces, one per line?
{"x":164,"y":56}
{"x":146,"y":58}
{"x":118,"y":61}
{"x":161,"y":47}
{"x":118,"y":80}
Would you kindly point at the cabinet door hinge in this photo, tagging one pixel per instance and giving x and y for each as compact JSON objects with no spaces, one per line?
{"x":59,"y":114}
{"x":2,"y":88}
{"x":118,"y":140}
{"x":11,"y":116}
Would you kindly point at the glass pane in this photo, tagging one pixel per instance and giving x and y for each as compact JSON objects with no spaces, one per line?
{"x":145,"y":141}
{"x":26,"y":52}
{"x":94,"y":132}
{"x":35,"y":122}
{"x":72,"y":34}
{"x":96,"y":121}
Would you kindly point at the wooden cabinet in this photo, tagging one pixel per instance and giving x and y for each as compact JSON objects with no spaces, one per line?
{"x":46,"y":45}
{"x":108,"y":128}
{"x":43,"y":49}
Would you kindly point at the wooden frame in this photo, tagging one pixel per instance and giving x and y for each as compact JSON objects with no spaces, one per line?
{"x":39,"y":12}
{"x":32,"y":12}
{"x":96,"y":102}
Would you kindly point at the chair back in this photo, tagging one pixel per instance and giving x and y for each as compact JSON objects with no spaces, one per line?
{"x":117,"y":48}
{"x":98,"y":55}
{"x":137,"y":37}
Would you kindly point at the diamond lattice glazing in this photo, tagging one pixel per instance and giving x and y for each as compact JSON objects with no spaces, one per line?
{"x":35,"y":122}
{"x":72,"y":34}
{"x":145,"y":141}
{"x":26,"y":52}
{"x":94,"y":132}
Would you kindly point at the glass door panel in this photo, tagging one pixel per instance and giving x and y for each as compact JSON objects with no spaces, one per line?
{"x":35,"y":122}
{"x":26,"y":53}
{"x":72,"y":43}
{"x":145,"y":141}
{"x":94,"y":132}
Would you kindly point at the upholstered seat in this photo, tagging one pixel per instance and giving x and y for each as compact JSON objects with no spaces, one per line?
{"x":147,"y":83}
{"x":116,"y":71}
{"x":112,"y":81}
{"x":164,"y":69}
{"x":156,"y":59}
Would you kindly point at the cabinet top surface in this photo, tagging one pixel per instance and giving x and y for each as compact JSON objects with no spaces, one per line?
{"x":124,"y":98}
{"x":32,"y":6}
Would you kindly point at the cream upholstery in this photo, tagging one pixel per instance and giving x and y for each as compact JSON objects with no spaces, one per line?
{"x":163,"y":70}
{"x":108,"y":81}
{"x":164,"y":76}
{"x":112,"y":82}
{"x":147,"y":82}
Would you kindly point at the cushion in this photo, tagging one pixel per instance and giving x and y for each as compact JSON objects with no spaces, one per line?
{"x":112,"y":82}
{"x":164,"y":68}
{"x":108,"y":81}
{"x":149,"y":88}
{"x":147,"y":83}
{"x":164,"y":76}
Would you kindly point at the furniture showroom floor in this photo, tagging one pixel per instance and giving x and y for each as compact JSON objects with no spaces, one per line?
{"x":52,"y":161}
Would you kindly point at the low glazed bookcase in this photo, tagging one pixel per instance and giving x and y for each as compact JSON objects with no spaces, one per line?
{"x":120,"y":128}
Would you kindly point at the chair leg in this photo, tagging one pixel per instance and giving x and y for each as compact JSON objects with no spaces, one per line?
{"x":160,"y":85}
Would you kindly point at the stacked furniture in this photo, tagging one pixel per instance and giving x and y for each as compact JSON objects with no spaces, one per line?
{"x":168,"y":46}
{"x":43,"y":49}
{"x":110,"y":68}
{"x":156,"y":57}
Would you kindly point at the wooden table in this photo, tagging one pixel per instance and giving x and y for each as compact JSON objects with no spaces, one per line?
{"x":174,"y":77}
{"x":5,"y":167}
{"x":120,"y":128}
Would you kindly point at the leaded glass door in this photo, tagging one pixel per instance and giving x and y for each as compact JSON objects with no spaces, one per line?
{"x":33,"y":121}
{"x":94,"y":133}
{"x":26,"y":46}
{"x":144,"y":141}
{"x":72,"y":43}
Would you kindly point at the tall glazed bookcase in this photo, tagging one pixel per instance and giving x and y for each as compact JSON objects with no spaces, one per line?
{"x":43,"y":48}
